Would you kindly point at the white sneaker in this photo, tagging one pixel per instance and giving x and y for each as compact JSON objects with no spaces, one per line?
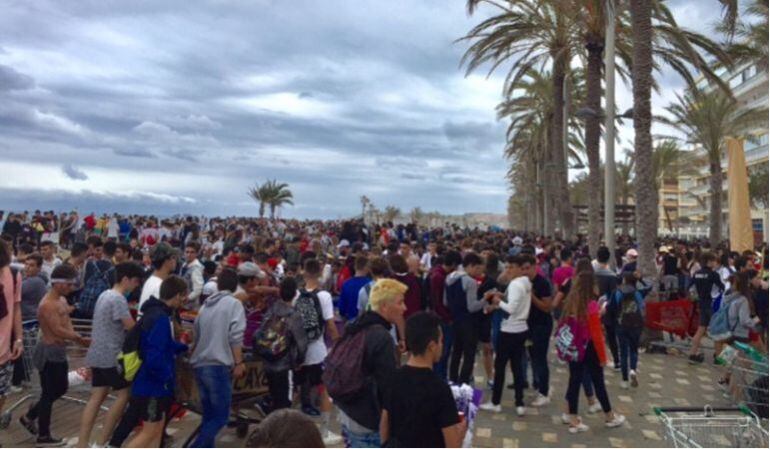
{"x":565,"y":418}
{"x":624,"y":384}
{"x":490,"y":407}
{"x":634,"y":379}
{"x":541,"y":401}
{"x":578,"y":428}
{"x":520,"y":411}
{"x":596,"y":407}
{"x":331,"y":439}
{"x":617,"y":421}
{"x":14,"y":389}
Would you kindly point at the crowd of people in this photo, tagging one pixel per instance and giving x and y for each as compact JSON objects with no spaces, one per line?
{"x":371,"y":321}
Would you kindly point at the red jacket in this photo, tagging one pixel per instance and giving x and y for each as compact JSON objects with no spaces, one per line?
{"x":437,"y":282}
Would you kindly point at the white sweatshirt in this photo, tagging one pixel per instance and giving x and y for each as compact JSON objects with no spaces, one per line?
{"x":517,"y":302}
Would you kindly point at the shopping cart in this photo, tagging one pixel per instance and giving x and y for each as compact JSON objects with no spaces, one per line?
{"x":78,"y":378}
{"x":247,"y":392}
{"x":747,"y":377}
{"x":712,"y":427}
{"x":30,"y":331}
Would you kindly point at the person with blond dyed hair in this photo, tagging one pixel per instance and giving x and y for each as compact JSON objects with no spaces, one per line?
{"x":360,"y":413}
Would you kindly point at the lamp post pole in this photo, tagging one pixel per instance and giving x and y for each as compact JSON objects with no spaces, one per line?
{"x":609,"y":132}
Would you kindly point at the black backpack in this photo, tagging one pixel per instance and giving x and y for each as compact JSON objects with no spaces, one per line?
{"x":309,"y":308}
{"x":629,"y":315}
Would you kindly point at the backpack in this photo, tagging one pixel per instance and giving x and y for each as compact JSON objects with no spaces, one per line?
{"x":309,"y":308}
{"x":273,"y":339}
{"x":3,"y":301}
{"x":343,"y":374}
{"x":571,"y":340}
{"x":94,"y":286}
{"x":129,"y":358}
{"x":719,"y":327}
{"x":629,"y":314}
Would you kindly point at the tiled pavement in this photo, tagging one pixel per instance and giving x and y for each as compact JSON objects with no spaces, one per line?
{"x":664,"y":380}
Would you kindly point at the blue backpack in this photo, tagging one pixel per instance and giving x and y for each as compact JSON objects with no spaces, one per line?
{"x":98,"y":282}
{"x":719,"y":327}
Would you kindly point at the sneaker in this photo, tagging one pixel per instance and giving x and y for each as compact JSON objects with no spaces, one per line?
{"x":490,"y":384}
{"x":541,"y":401}
{"x":49,"y":441}
{"x":520,"y":410}
{"x":617,"y":421}
{"x":596,"y":407}
{"x":28,"y":425}
{"x":331,"y":439}
{"x":616,"y":368}
{"x":510,"y":386}
{"x":565,"y":418}
{"x":310,"y":410}
{"x":634,"y":379}
{"x":624,"y":384}
{"x":16,"y":389}
{"x":580,"y":427}
{"x":696,"y":358}
{"x":490,"y":407}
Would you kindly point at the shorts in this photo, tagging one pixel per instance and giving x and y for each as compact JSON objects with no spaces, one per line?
{"x":485,"y":328}
{"x":706,"y":311}
{"x":151,"y":409}
{"x":310,"y":374}
{"x":108,"y":377}
{"x":6,"y":369}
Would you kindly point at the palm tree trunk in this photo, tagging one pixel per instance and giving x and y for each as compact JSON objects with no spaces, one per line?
{"x":549,"y":188}
{"x":593,"y":133}
{"x":261,"y":209}
{"x":646,"y":195}
{"x":715,"y":214}
{"x":560,"y":169}
{"x":272,"y":211}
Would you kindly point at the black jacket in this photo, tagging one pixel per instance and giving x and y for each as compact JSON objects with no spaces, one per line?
{"x":379,"y":365}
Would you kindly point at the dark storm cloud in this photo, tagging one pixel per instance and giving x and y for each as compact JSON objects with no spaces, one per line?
{"x":10,"y":79}
{"x":336,"y":98}
{"x":73,"y":172}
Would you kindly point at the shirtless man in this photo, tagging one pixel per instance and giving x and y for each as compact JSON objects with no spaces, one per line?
{"x":50,"y":356}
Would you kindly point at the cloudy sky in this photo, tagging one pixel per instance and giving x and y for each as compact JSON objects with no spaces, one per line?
{"x":180,"y":106}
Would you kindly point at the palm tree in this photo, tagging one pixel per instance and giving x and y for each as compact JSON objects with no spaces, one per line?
{"x":676,"y":48}
{"x":365,"y":201}
{"x":261,"y":196}
{"x":390,"y":213}
{"x":273,"y":195}
{"x":707,"y":118}
{"x":670,"y":162}
{"x":758,"y":185}
{"x":748,"y":38}
{"x":530,"y":33}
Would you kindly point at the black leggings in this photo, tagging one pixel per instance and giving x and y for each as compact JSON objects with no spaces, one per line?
{"x":53,"y":384}
{"x":464,"y":346}
{"x":612,"y":341}
{"x":577,"y":370}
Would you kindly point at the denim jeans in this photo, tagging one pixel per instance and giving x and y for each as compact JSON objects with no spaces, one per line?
{"x":215,"y":387}
{"x":360,"y":439}
{"x":629,"y":349}
{"x":442,"y":367}
{"x":463,"y":350}
{"x":511,"y":349}
{"x":538,"y":353}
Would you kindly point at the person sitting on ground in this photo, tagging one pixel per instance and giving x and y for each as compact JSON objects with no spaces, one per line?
{"x":418,"y":407}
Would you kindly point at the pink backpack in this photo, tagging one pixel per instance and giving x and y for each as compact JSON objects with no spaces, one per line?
{"x":571,"y":340}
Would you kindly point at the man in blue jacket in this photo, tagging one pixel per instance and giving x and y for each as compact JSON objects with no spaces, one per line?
{"x":153,"y":389}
